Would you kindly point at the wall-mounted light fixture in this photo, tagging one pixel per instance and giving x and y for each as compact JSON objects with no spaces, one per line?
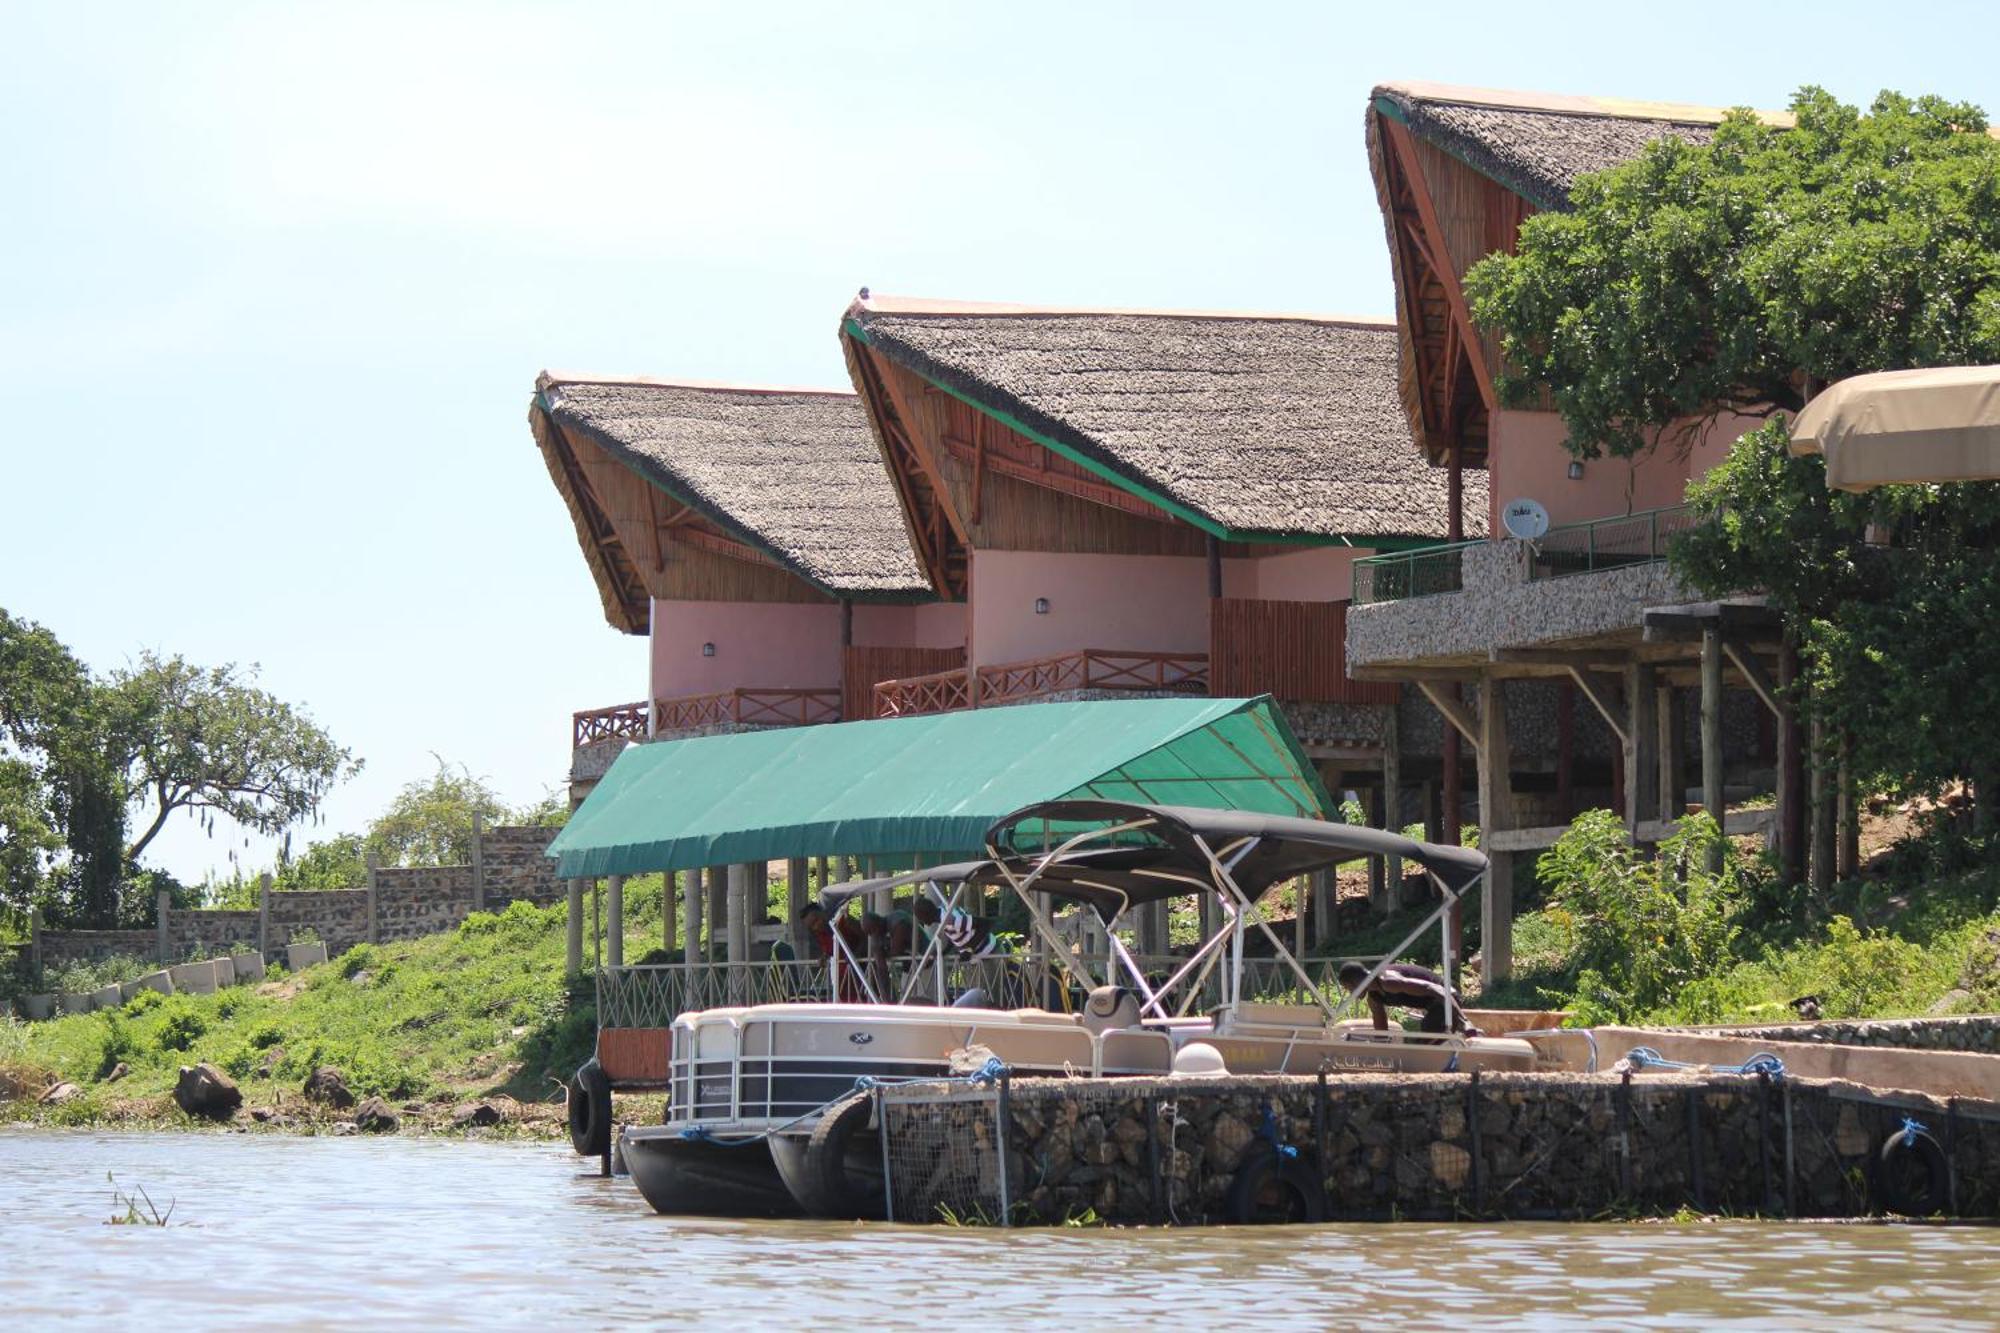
{"x":708,"y":650}
{"x":1576,"y":469}
{"x":1041,"y":606}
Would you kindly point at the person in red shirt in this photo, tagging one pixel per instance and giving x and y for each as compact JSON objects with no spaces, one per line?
{"x":852,"y":933}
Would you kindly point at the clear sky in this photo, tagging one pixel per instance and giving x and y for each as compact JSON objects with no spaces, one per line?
{"x":275,"y":281}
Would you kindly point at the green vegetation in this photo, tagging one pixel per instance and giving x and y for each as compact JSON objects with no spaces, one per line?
{"x":478,"y":1011}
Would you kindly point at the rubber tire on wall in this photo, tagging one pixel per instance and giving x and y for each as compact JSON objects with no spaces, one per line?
{"x":1263,"y":1168}
{"x":836,"y":1193}
{"x":1912,"y":1175}
{"x":589,"y":1104}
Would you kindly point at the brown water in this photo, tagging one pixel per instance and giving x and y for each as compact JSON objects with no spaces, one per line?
{"x":270,"y":1230}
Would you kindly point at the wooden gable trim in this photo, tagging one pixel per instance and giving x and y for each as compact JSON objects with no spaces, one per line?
{"x":933,"y":529}
{"x":1404,"y":149}
{"x":1010,"y":454}
{"x":620,"y":587}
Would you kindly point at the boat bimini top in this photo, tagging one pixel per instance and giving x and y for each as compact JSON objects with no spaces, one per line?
{"x":1114,"y":855}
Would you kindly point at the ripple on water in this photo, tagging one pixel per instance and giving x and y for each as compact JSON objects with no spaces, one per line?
{"x":450,"y":1234}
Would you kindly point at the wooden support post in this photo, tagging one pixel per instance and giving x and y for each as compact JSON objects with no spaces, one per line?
{"x":1642,"y":736}
{"x":1214,"y":550}
{"x":374,"y":870}
{"x":1822,"y":812}
{"x":670,"y":887}
{"x":1711,"y":735}
{"x":1496,"y":813}
{"x":1673,"y":753}
{"x":1392,"y":805}
{"x":1433,"y":811}
{"x":1566,"y":751}
{"x":573,"y":936}
{"x":1791,"y":771}
{"x":1451,"y":788}
{"x":263,"y":914}
{"x":614,"y":922}
{"x":478,"y":861}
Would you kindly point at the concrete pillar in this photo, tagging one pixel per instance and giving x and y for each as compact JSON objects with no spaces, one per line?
{"x":669,"y":908}
{"x":614,"y":922}
{"x":736,"y":905}
{"x":162,"y":906}
{"x":1711,"y":735}
{"x":478,"y":862}
{"x":693,"y":899}
{"x":263,"y":914}
{"x":573,"y":939}
{"x":1496,"y":813}
{"x":374,"y":927}
{"x":1323,"y":901}
{"x":798,"y":888}
{"x":35,"y":944}
{"x":717,"y":947}
{"x":1378,"y":879}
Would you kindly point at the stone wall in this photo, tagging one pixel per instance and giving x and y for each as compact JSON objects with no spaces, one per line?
{"x":408,"y":902}
{"x":1979,"y":1033}
{"x":1445,"y":1146}
{"x":1499,"y":607}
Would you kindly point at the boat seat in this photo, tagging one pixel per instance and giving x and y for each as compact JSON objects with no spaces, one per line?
{"x":1042,"y":1017}
{"x":1235,"y":1017}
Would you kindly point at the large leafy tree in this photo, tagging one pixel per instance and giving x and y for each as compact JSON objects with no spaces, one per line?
{"x":1742,"y":275}
{"x":430,"y":821}
{"x":208,"y":741}
{"x":1736,"y":275}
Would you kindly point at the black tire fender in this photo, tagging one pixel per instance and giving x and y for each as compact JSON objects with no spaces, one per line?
{"x":589,"y":1106}
{"x":1271,"y":1186}
{"x":837,"y":1194}
{"x":1912,"y":1174}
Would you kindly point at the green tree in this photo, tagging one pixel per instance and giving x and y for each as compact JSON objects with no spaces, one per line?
{"x":430,"y":821}
{"x":207,"y":740}
{"x":1735,"y":275}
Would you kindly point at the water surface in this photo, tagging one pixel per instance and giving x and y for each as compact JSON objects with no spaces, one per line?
{"x":269,"y":1230}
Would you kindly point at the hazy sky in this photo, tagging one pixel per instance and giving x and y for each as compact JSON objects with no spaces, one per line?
{"x":275,"y":281}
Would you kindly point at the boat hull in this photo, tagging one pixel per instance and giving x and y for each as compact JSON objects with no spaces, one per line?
{"x":693,"y":1178}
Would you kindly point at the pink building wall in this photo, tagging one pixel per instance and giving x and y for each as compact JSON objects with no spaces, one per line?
{"x":1526,"y":458}
{"x":780,"y":645}
{"x":1142,"y":603}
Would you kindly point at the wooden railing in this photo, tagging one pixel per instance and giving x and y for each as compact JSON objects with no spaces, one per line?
{"x":1296,"y":651}
{"x":1013,"y":682}
{"x":747,"y":707}
{"x":603,"y":724}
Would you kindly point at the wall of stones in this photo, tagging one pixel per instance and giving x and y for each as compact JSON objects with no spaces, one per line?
{"x":1978,"y":1033}
{"x":1449,"y":1146}
{"x":409,"y":902}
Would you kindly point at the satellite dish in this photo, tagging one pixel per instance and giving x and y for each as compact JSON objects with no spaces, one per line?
{"x":1525,"y":518}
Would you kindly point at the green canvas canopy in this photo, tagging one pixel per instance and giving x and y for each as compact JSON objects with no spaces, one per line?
{"x":896,"y":788}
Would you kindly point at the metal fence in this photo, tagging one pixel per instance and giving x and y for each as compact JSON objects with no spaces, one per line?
{"x":1398,"y":575}
{"x":1609,"y":543}
{"x":653,"y":995}
{"x":943,"y":1157}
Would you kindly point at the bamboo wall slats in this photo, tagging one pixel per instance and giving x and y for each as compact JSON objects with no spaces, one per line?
{"x":1293,"y":650}
{"x":866,"y":664}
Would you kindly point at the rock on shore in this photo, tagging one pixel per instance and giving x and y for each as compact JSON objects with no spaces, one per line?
{"x":207,"y":1092}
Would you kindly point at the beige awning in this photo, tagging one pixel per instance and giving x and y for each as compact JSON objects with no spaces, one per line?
{"x":1902,"y":426}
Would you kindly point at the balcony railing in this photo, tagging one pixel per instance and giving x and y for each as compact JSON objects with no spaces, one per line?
{"x":603,"y":724}
{"x":1397,"y":575}
{"x":1608,"y":543}
{"x":747,"y":707}
{"x":1574,"y":548}
{"x":1015,"y":682}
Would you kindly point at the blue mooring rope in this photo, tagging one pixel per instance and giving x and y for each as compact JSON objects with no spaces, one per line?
{"x":1268,"y":1130}
{"x":1911,"y":1128}
{"x":1642,"y":1057}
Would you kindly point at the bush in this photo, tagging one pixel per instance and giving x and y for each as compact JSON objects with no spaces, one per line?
{"x":360,"y":958}
{"x":266,"y":1036}
{"x":144,"y":1002}
{"x":181,"y":1026}
{"x":117,"y":1044}
{"x":1645,"y":928}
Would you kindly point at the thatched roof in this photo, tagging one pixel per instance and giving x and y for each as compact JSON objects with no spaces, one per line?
{"x":791,"y":472}
{"x":1251,"y":424}
{"x":1537,"y":144}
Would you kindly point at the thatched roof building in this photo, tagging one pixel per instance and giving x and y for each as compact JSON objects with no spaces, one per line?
{"x":664,"y":479}
{"x":1249,"y":426}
